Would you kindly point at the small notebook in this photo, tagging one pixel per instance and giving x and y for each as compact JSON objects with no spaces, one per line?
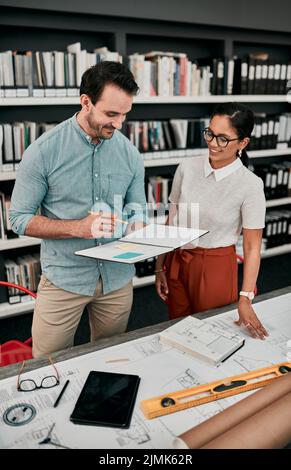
{"x":202,"y":339}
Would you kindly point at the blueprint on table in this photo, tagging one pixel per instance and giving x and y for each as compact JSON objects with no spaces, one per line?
{"x":162,"y":370}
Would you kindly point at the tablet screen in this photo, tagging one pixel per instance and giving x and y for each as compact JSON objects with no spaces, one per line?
{"x":107,"y":399}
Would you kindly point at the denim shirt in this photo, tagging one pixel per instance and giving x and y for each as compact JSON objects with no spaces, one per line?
{"x":64,"y":174}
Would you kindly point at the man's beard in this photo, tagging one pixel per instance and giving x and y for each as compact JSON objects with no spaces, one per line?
{"x":98,"y":129}
{"x":102,"y":132}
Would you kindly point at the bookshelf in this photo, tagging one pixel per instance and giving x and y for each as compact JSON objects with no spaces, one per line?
{"x":174,"y":157}
{"x":20,"y":308}
{"x":51,"y":30}
{"x":10,"y":310}
{"x":151,"y":100}
{"x":20,"y":242}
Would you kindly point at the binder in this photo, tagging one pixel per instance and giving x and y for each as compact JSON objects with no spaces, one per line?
{"x":152,"y":240}
{"x":251,"y":76}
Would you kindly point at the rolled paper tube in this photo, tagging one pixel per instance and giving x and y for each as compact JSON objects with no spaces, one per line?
{"x":270,"y":428}
{"x":200,"y":435}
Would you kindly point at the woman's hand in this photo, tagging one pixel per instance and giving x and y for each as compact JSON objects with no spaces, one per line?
{"x":162,"y":285}
{"x":249,"y":319}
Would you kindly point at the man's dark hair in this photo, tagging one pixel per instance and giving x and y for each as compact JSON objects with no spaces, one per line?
{"x":95,"y":78}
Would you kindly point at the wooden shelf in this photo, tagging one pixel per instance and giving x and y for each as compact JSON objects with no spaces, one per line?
{"x":143,"y":281}
{"x":18,"y":243}
{"x":9,"y":310}
{"x":278,"y":250}
{"x":165,"y":158}
{"x":269,"y":153}
{"x":212,"y":99}
{"x":30,"y":101}
{"x":278,"y":202}
{"x":7,"y":175}
{"x":174,"y":157}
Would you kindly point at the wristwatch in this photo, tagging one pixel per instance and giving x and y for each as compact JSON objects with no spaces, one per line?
{"x":249,"y":295}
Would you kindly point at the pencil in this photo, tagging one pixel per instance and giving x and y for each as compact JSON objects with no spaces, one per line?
{"x":61,"y":394}
{"x":117,"y":220}
{"x":121,"y":359}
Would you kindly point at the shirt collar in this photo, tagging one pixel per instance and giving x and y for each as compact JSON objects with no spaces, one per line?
{"x":221,"y":172}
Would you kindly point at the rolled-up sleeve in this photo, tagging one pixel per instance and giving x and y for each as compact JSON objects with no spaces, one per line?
{"x":135,"y":200}
{"x":254,"y":207}
{"x":29,"y":189}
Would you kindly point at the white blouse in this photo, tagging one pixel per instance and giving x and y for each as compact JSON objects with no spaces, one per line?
{"x":222,"y":201}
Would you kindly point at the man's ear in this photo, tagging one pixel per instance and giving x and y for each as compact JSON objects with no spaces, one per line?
{"x":85,"y":102}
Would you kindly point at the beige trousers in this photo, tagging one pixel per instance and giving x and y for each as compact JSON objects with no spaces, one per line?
{"x":57,"y":314}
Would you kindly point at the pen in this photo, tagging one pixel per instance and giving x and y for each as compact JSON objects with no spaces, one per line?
{"x":61,"y":394}
{"x":117,"y":220}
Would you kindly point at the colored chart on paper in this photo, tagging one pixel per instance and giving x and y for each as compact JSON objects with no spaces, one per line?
{"x":128,"y":255}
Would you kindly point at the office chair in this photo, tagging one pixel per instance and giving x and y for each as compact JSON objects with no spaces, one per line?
{"x":15,"y":351}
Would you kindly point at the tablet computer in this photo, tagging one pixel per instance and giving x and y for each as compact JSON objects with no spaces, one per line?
{"x":107,"y":399}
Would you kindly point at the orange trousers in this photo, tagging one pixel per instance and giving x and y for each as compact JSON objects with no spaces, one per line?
{"x":200,"y":279}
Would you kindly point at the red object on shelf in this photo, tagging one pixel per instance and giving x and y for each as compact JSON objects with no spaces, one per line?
{"x":16,"y":351}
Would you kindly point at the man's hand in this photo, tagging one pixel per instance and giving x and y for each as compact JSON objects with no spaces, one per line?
{"x":96,"y":225}
{"x":249,"y":319}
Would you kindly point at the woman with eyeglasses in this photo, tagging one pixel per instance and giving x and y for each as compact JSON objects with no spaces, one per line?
{"x":223,"y":196}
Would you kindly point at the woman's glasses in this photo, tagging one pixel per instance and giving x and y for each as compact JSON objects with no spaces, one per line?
{"x":220,"y":139}
{"x":28,"y":385}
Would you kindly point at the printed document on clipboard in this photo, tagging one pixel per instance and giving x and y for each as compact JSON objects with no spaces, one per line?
{"x":150,"y":241}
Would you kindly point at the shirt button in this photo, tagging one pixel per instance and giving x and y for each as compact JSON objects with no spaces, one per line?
{"x":96,"y":198}
{"x":96,"y":175}
{"x":100,"y":264}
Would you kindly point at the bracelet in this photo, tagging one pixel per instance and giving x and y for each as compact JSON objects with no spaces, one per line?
{"x":159,"y":271}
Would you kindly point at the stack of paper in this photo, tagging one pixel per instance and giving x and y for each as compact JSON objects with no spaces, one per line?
{"x":202,"y":339}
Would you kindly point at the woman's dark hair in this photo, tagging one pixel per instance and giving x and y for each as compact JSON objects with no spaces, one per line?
{"x":241,"y":119}
{"x":95,"y":78}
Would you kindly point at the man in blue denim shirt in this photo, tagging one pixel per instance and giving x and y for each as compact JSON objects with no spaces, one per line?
{"x":67,"y":172}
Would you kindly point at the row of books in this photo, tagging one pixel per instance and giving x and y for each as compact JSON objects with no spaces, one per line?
{"x":151,"y":136}
{"x":32,"y":72}
{"x":15,"y":138}
{"x":5,"y":226}
{"x":173,"y":74}
{"x":156,"y":72}
{"x":277,"y":229}
{"x":147,"y":136}
{"x":159,"y":189}
{"x":271,"y":131}
{"x":24,"y":271}
{"x":276,"y":178}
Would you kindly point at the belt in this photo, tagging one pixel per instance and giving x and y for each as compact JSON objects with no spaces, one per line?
{"x":179,"y":256}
